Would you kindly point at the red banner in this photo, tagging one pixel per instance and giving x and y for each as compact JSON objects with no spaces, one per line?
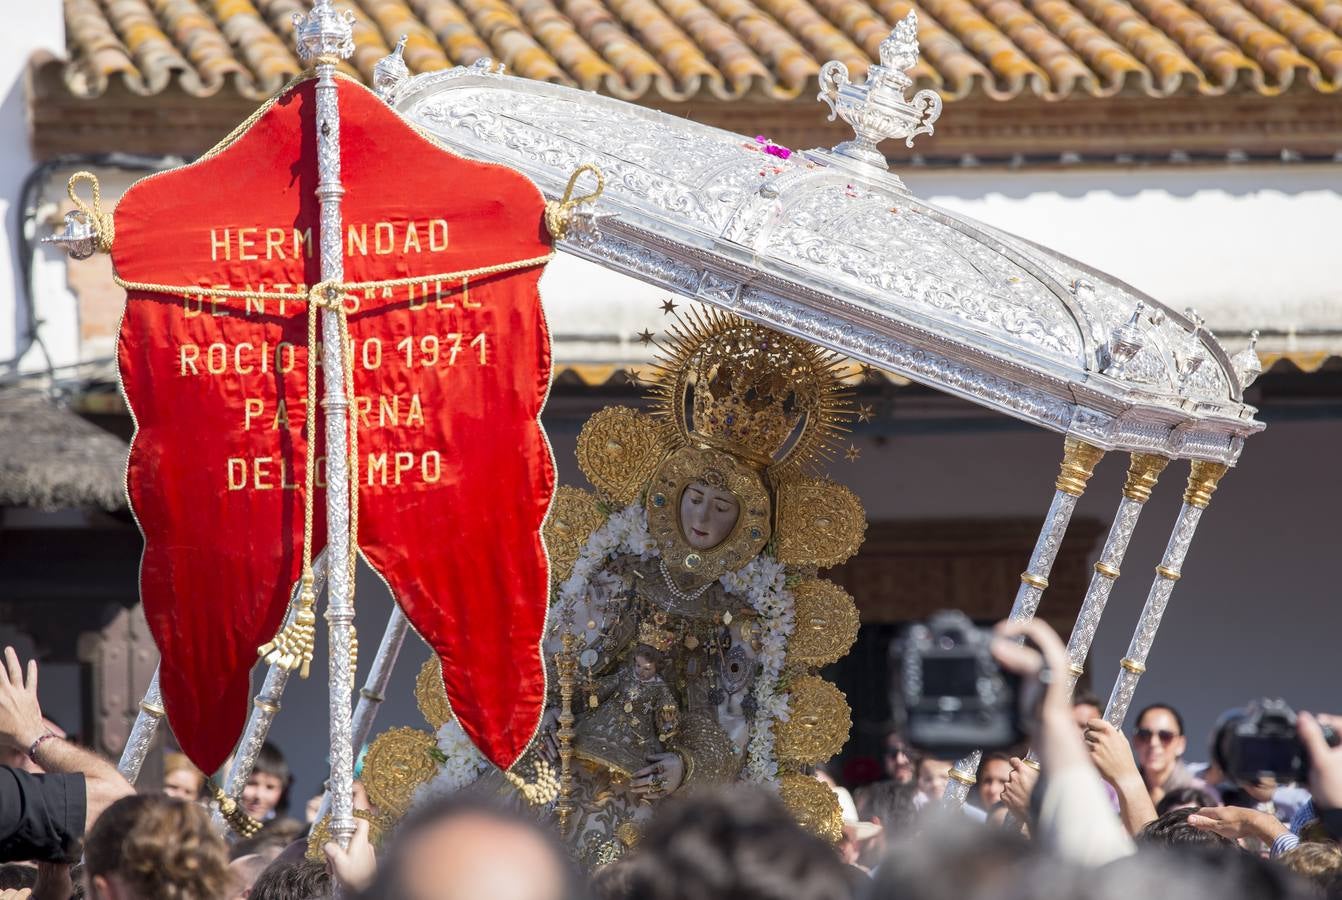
{"x":454,"y":471}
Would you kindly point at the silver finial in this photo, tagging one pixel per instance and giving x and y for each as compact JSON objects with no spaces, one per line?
{"x":1125,"y":341}
{"x":1192,"y":315}
{"x":1246,"y":363}
{"x":324,"y":32}
{"x":878,"y":109}
{"x":79,"y":239}
{"x":391,"y":72}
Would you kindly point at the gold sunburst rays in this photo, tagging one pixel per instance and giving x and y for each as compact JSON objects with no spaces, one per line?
{"x":773,"y":399}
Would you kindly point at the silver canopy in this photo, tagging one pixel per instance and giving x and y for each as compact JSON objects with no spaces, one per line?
{"x":832,"y":247}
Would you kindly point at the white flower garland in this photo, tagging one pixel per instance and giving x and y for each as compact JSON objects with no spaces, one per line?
{"x":762,"y":582}
{"x":462,"y":764}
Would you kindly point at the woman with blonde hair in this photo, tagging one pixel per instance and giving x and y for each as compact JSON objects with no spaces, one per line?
{"x":150,"y":847}
{"x":181,"y":779}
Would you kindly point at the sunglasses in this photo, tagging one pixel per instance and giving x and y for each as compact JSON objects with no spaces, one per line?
{"x":1145,"y":734}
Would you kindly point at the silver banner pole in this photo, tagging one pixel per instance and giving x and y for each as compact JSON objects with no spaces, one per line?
{"x":325,"y":36}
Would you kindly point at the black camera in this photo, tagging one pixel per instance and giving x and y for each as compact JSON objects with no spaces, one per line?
{"x":1260,"y":743}
{"x":950,"y":696}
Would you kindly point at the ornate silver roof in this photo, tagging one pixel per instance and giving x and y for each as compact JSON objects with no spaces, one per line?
{"x":829,"y":246}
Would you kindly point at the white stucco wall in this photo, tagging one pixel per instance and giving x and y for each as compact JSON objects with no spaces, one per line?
{"x":1249,"y":246}
{"x":38,"y":25}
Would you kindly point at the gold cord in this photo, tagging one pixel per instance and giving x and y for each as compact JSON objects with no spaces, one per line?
{"x":103,"y":227}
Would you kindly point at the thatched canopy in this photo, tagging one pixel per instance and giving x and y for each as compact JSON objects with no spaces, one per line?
{"x":50,"y":458}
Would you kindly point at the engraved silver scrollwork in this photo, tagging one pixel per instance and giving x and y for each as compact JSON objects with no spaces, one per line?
{"x":878,"y":108}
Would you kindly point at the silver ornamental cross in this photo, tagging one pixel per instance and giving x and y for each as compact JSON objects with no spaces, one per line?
{"x":878,"y":108}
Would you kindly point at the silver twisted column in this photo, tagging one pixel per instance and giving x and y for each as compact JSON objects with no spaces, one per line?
{"x":1202,"y":481}
{"x":1078,"y":463}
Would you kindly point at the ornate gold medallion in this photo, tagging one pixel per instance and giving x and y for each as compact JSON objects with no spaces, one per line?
{"x":431,"y":694}
{"x":398,"y":762}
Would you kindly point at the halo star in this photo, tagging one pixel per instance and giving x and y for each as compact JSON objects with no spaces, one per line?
{"x":668,"y":305}
{"x":645,"y":337}
{"x":864,"y":412}
{"x":852,"y":453}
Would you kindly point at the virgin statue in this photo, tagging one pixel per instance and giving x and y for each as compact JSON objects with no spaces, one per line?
{"x":687,"y":616}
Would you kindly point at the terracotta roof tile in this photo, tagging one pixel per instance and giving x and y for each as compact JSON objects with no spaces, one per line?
{"x":725,"y":49}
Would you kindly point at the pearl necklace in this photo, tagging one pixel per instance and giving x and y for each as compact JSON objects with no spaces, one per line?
{"x":677,"y":592}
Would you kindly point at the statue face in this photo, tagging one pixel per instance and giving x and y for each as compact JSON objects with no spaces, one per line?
{"x":644,"y":667}
{"x":707,"y":515}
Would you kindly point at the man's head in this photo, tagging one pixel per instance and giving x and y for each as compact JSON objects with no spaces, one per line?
{"x":992,"y":779}
{"x":244,"y":870}
{"x":1158,"y":739}
{"x":305,"y":880}
{"x":932,"y":776}
{"x":465,"y":848}
{"x":899,"y":759}
{"x":1172,"y":830}
{"x":1085,"y":707}
{"x":264,"y":794}
{"x":739,"y":843}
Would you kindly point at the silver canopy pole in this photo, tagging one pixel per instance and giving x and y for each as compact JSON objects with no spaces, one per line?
{"x":265,"y":706}
{"x":1202,"y":481}
{"x":1078,"y":462}
{"x":325,"y":36}
{"x":142,"y":732}
{"x":1143,"y":471}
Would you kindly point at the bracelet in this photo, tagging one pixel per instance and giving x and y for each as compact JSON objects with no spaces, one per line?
{"x":32,"y":748}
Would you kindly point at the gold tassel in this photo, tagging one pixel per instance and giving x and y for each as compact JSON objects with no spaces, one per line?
{"x":292,"y":647}
{"x":237,"y":819}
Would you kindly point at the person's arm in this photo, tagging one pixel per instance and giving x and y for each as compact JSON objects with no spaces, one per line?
{"x":21,"y":723}
{"x":1325,"y":771}
{"x":1074,"y":814}
{"x":1113,"y":758}
{"x":1239,"y":823}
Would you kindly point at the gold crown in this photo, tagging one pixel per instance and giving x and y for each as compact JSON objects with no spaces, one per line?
{"x":751,"y":389}
{"x":655,"y":637}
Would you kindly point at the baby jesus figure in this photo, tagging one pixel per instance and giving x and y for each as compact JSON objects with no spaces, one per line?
{"x":636,"y":713}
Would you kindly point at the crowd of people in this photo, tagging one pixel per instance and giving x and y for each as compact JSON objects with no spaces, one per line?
{"x":1091,"y":814}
